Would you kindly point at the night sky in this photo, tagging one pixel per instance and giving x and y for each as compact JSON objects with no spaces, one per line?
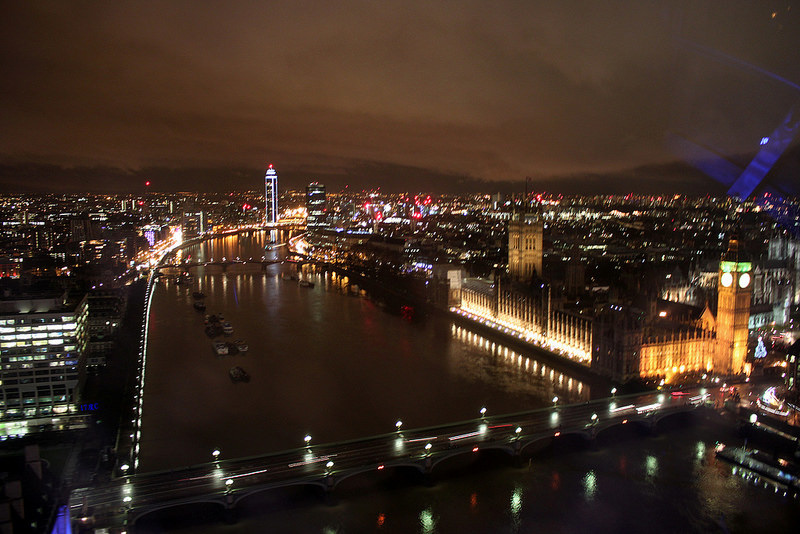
{"x":397,"y":94}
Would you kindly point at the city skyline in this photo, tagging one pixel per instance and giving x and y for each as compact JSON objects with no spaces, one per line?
{"x":100,"y":96}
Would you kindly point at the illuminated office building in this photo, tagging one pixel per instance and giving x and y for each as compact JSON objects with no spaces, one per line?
{"x":41,"y":344}
{"x":194,"y":224}
{"x":315,"y":206}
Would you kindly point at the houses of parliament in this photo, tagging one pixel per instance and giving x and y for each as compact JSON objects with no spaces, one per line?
{"x":669,"y":338}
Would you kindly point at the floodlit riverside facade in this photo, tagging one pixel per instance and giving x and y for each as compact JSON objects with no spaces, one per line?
{"x":621,"y":342}
{"x":41,"y":345}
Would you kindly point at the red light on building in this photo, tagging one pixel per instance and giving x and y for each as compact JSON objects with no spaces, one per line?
{"x":147,"y":183}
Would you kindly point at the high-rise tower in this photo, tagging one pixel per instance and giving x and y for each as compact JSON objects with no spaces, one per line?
{"x":733,"y":311}
{"x":525,"y":246}
{"x":315,"y":206}
{"x":271,"y":196}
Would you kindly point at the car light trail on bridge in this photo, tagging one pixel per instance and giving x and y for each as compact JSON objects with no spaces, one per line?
{"x":464,"y":436}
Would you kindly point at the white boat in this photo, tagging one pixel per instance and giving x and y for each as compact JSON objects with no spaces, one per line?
{"x":221,"y":348}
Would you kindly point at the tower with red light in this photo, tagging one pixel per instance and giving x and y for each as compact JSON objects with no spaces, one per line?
{"x":271,"y":196}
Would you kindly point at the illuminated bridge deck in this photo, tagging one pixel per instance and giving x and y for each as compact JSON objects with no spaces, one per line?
{"x":118,"y":504}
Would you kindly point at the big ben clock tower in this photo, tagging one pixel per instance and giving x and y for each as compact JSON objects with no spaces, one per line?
{"x":733,"y":311}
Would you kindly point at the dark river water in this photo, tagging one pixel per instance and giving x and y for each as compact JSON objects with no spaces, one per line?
{"x":329,"y":362}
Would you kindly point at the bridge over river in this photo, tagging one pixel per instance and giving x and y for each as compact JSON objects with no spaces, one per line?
{"x":118,"y":504}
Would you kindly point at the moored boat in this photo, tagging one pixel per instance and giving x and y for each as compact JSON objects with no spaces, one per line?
{"x":241,"y":346}
{"x":220,"y":348}
{"x":238,"y":374}
{"x":227,"y":328}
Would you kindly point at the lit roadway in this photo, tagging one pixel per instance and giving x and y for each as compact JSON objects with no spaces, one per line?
{"x":119,"y":503}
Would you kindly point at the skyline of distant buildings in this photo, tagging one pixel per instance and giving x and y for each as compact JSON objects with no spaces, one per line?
{"x":623,"y":281}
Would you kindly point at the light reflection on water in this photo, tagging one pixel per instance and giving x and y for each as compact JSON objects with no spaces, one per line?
{"x":324,"y":360}
{"x":318,"y":359}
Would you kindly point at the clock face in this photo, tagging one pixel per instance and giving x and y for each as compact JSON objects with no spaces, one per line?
{"x":726,"y":279}
{"x":744,"y":280}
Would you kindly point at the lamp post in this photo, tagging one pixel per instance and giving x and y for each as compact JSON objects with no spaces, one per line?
{"x":483,"y":411}
{"x":215,"y":453}
{"x":228,"y":484}
{"x":555,"y":400}
{"x":613,"y":391}
{"x":428,"y":447}
{"x":398,"y":424}
{"x":307,"y":440}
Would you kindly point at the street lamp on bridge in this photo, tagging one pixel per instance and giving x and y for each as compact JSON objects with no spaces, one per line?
{"x":398,"y":424}
{"x":307,"y":439}
{"x":215,"y":453}
{"x":483,"y":411}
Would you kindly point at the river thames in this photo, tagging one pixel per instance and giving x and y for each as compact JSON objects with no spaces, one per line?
{"x":329,"y":362}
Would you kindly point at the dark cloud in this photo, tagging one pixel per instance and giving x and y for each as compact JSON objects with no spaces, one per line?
{"x":488,"y":90}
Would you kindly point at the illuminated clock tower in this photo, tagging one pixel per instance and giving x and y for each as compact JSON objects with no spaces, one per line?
{"x":733,"y":312}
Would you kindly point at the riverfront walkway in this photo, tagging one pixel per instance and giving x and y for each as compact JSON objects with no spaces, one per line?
{"x":118,"y":504}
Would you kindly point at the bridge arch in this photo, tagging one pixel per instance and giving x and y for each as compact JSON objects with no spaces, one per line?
{"x":417,"y":468}
{"x":136,"y":514}
{"x":450,"y":454}
{"x":250,"y":492}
